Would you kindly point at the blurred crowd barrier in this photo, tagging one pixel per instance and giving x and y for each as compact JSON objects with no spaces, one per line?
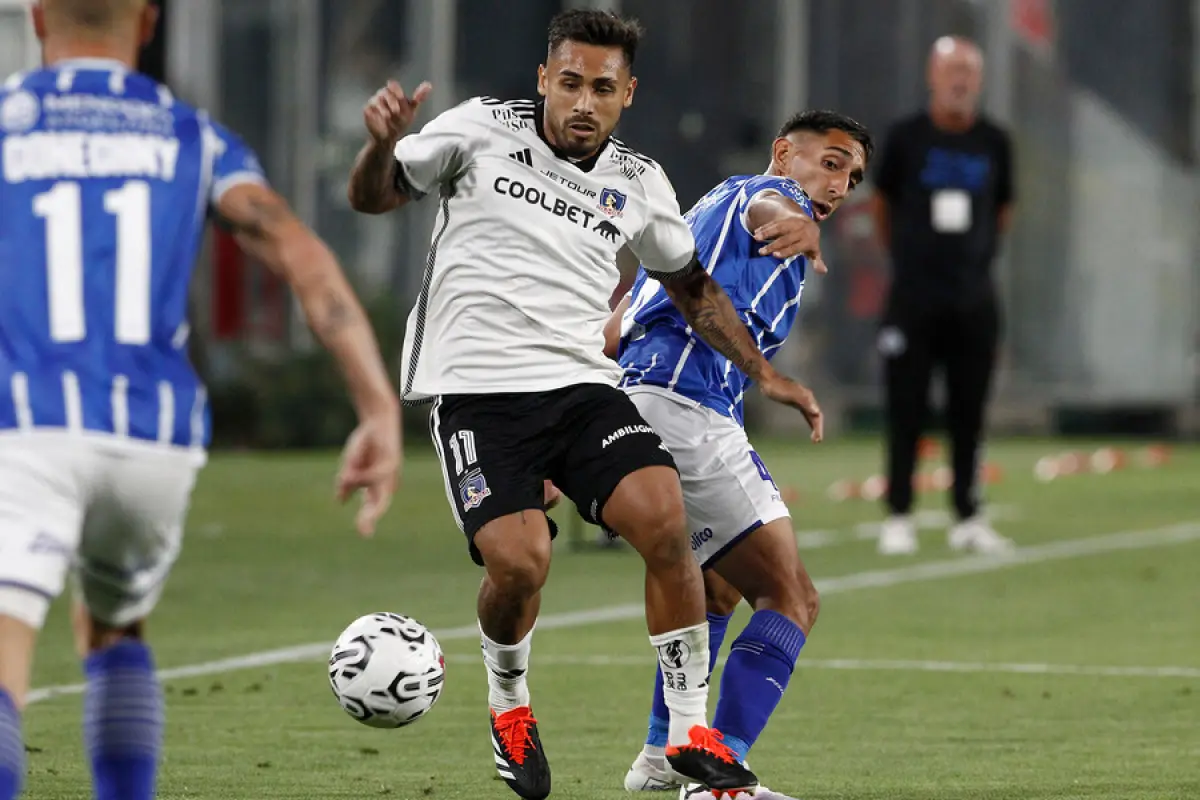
{"x":1100,"y":275}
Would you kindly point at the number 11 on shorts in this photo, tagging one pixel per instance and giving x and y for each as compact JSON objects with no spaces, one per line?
{"x":462,"y":447}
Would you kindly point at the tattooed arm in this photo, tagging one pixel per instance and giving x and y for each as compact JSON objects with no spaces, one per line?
{"x":710,"y":312}
{"x":667,"y":250}
{"x":267,"y":230}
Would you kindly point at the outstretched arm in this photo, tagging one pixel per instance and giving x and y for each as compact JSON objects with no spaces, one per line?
{"x":667,"y":250}
{"x":710,"y":312}
{"x":267,"y":230}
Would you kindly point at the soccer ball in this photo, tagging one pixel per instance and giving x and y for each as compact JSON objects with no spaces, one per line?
{"x":386,"y":670}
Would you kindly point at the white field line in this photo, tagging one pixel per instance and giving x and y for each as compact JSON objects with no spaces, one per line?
{"x":879,"y":665}
{"x":871,"y":579}
{"x":923,"y":520}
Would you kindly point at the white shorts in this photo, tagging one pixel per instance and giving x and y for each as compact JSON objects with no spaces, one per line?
{"x":727,"y":490}
{"x":110,"y":512}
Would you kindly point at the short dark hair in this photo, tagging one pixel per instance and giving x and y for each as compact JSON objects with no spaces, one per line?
{"x":822,"y":121}
{"x":602,"y":28}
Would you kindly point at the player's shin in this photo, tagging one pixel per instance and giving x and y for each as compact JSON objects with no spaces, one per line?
{"x":517,"y":554}
{"x":656,"y":737}
{"x":672,"y":596}
{"x":757,"y":672}
{"x":12,"y":748}
{"x":20,"y":620}
{"x":683,"y":664}
{"x":507,"y":666}
{"x":123,"y":720}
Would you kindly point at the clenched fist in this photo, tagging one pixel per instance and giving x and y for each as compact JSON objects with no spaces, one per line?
{"x":390,"y":112}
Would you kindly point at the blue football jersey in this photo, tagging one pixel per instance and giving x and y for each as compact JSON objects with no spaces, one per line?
{"x":658,"y":348}
{"x":106,"y":182}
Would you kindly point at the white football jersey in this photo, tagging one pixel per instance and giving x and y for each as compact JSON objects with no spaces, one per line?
{"x":523,"y":260}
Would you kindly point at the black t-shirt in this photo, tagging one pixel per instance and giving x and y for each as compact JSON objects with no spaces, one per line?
{"x":945,"y":192}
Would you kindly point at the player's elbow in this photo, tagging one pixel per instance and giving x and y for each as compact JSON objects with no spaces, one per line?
{"x":612,"y":338}
{"x":762,"y":210}
{"x":365,"y":203}
{"x":296,"y":254}
{"x":685,"y":287}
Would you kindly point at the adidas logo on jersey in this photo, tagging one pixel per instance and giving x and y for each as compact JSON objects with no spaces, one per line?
{"x":524,"y":156}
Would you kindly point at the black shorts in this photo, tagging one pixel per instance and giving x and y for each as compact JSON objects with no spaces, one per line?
{"x":497,"y":449}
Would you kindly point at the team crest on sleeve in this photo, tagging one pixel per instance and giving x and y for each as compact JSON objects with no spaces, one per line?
{"x":612,"y":202}
{"x":473,"y":489}
{"x":19,"y":112}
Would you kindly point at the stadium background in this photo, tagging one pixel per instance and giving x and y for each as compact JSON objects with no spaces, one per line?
{"x":1100,"y":276}
{"x":1070,"y":671}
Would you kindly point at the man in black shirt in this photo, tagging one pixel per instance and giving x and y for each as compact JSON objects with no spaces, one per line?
{"x":944,"y":197}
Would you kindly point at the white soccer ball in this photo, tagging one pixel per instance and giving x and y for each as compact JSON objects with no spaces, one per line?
{"x":386,"y":670}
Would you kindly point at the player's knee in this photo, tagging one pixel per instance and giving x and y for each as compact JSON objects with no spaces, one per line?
{"x":93,"y":635}
{"x":520,"y":571}
{"x":812,"y":607}
{"x":665,"y":537}
{"x":658,"y":529}
{"x":720,"y":598}
{"x":795,"y":598}
{"x":26,"y":607}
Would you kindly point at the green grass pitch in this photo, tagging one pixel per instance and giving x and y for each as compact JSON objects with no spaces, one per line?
{"x":1072,"y":673}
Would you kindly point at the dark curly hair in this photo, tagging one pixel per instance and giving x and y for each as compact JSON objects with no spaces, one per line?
{"x":821,"y":121}
{"x":603,"y":28}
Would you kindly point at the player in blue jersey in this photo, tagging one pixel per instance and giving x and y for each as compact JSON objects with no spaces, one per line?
{"x":106,"y":183}
{"x":692,"y":396}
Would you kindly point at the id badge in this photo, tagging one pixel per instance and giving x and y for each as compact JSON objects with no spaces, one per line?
{"x":951,"y":211}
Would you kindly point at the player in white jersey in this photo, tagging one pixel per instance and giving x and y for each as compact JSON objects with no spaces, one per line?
{"x":535,"y":200}
{"x":692,"y":395}
{"x":106,"y":183}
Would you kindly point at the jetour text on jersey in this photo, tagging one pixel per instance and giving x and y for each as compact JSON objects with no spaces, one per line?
{"x":536,"y":197}
{"x":71,"y":154}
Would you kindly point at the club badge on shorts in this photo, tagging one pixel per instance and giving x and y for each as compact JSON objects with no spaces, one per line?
{"x":473,"y":489}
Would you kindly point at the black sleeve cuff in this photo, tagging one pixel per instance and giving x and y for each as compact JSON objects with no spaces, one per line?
{"x":663,"y":277}
{"x":402,"y":185}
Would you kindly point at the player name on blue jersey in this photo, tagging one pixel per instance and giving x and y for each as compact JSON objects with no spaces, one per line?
{"x":106,"y":182}
{"x":658,"y":348}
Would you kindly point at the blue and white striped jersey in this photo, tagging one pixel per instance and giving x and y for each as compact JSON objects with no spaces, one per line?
{"x":658,"y":347}
{"x":106,"y":182}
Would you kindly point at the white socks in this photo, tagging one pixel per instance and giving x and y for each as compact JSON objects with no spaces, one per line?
{"x":683,"y":660}
{"x":506,"y":667}
{"x":654,"y":752}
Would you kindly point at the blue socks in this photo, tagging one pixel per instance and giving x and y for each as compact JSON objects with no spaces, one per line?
{"x":122,"y":721}
{"x":659,"y":716}
{"x":12,"y":749}
{"x":756,"y":674}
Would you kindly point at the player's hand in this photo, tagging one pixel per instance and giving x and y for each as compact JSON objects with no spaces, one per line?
{"x":794,"y":235}
{"x":390,"y":112}
{"x":371,"y":464}
{"x":784,"y":390}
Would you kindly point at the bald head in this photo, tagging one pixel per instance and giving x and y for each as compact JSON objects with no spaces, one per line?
{"x":955,"y":76}
{"x":100,"y":16}
{"x":116,"y":29}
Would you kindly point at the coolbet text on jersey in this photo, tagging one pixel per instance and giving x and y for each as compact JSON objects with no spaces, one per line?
{"x":106,"y":181}
{"x":523,"y":241}
{"x":659,"y":349}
